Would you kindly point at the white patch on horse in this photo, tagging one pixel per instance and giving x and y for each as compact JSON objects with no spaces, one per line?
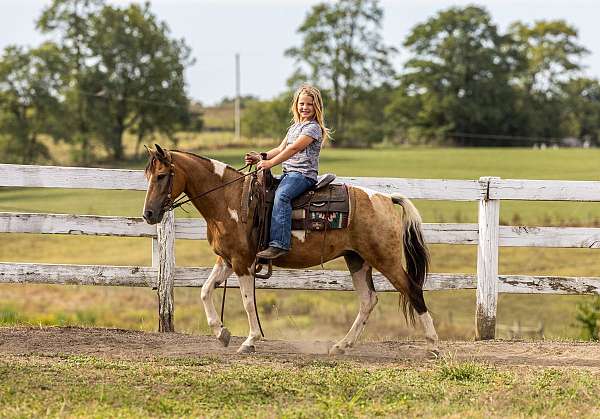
{"x":299,"y":234}
{"x":234,"y":215}
{"x":219,"y":167}
{"x":372,"y":192}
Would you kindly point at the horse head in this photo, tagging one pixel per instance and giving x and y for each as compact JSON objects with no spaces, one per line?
{"x":165,"y":183}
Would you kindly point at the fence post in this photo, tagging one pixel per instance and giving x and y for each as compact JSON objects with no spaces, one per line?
{"x":487,"y":262}
{"x":166,"y":272}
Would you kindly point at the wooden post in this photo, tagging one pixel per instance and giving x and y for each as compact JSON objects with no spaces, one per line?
{"x":487,"y":263}
{"x":166,"y":272}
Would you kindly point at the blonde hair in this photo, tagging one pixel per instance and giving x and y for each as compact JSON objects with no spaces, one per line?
{"x":309,"y":90}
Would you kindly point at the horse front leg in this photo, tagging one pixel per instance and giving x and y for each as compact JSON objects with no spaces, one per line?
{"x":221,"y":271}
{"x":363,"y":285}
{"x":247,"y":290}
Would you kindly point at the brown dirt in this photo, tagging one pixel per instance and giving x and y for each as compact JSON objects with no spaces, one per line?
{"x":135,"y":345}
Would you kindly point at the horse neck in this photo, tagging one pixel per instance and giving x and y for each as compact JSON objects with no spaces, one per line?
{"x":202,"y":175}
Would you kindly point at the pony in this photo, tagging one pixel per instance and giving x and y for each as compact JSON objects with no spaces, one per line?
{"x":377,"y":237}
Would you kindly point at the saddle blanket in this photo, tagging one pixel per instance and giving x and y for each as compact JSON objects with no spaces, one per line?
{"x":311,"y":220}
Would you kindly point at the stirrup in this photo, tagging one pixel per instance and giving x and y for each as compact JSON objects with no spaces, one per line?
{"x":258,"y":268}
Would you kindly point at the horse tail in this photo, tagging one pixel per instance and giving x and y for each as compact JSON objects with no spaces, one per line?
{"x":417,"y":258}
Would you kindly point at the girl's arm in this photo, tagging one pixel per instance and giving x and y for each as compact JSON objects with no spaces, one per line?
{"x":253,"y":157}
{"x":300,"y":144}
{"x":275,"y":151}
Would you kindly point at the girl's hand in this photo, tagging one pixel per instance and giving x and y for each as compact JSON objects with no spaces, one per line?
{"x":252,"y":158}
{"x":265,"y":164}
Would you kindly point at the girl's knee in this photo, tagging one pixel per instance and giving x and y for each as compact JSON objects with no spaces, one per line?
{"x":282,"y":197}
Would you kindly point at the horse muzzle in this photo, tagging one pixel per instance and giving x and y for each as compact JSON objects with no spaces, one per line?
{"x":153,"y":217}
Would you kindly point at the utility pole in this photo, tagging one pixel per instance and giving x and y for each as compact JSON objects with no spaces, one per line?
{"x":237,"y":98}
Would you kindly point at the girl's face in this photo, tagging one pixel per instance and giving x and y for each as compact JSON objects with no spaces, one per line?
{"x":306,"y":107}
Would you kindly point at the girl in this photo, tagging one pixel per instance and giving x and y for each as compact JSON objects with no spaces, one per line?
{"x":299,"y":155}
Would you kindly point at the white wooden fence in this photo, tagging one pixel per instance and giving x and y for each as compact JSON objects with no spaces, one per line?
{"x":164,"y":274}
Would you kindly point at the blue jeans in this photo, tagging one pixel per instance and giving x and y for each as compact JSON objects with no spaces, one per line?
{"x":292,"y":185}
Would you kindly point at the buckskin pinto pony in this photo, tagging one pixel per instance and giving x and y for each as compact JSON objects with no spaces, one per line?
{"x":377,"y":237}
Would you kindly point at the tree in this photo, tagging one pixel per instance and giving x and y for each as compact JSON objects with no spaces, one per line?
{"x":269,"y":118}
{"x":551,"y":54}
{"x":457,"y":82}
{"x":343,"y":53}
{"x":70,"y":21}
{"x":126,"y":72}
{"x":137,"y":75}
{"x":581,"y":101}
{"x":30,"y":105}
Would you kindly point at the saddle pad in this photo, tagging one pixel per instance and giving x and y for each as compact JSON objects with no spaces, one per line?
{"x":319,"y":221}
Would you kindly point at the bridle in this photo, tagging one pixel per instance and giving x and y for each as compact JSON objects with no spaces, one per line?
{"x":170,"y":205}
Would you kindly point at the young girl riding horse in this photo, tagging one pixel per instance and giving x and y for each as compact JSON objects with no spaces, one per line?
{"x":299,"y":155}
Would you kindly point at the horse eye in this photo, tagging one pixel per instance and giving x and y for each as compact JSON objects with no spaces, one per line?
{"x":161,"y":176}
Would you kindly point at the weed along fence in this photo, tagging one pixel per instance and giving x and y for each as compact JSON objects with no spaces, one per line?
{"x":164,"y":274}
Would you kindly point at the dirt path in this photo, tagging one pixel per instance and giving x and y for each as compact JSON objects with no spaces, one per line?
{"x":127,"y":344}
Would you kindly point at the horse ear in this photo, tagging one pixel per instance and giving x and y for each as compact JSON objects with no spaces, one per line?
{"x":160,"y":151}
{"x":149,"y":150}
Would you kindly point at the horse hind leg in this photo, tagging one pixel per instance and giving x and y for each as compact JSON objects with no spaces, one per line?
{"x":362,"y":280}
{"x":415,"y":303}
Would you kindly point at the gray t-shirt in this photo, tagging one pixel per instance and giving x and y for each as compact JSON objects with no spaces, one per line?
{"x":307,"y":160}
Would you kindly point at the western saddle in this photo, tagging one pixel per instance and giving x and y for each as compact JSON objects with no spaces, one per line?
{"x":324,"y":207}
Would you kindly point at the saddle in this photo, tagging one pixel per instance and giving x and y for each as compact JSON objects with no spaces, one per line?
{"x":324,"y":207}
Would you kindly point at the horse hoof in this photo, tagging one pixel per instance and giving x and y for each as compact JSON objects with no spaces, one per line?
{"x":224,"y":337}
{"x":246,"y":349}
{"x":336,"y":350}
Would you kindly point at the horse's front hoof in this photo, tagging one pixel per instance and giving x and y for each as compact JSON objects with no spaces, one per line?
{"x":336,"y":350}
{"x":246,"y":349}
{"x":224,"y":337}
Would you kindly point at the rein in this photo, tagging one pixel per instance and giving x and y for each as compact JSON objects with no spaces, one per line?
{"x":170,"y":206}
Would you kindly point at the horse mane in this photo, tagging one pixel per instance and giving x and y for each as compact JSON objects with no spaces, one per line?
{"x":153,"y":158}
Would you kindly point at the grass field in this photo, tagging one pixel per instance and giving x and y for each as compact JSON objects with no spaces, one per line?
{"x":313,"y":314}
{"x":84,"y":386}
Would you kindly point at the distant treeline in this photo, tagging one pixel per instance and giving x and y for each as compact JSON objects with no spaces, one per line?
{"x":465,"y":83}
{"x":111,"y":70}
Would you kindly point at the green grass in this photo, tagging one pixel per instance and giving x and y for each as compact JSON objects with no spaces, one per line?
{"x":314,"y":314}
{"x":84,"y":386}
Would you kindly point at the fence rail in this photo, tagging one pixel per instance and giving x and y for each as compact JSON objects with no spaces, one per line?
{"x":487,"y":234}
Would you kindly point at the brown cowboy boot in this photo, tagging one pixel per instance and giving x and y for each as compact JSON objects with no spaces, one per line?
{"x":271,"y":253}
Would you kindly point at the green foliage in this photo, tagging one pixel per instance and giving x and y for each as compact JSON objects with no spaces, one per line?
{"x":342,"y":52}
{"x":29,"y":106}
{"x":457,"y":81}
{"x":125,"y":73}
{"x":269,"y":118}
{"x":469,"y":84}
{"x":581,"y":109}
{"x":138,"y":77}
{"x":588,"y":315}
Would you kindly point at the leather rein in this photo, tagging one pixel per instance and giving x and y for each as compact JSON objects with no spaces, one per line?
{"x":170,"y":205}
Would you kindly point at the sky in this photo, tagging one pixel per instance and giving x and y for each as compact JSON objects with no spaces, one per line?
{"x":261,"y":30}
